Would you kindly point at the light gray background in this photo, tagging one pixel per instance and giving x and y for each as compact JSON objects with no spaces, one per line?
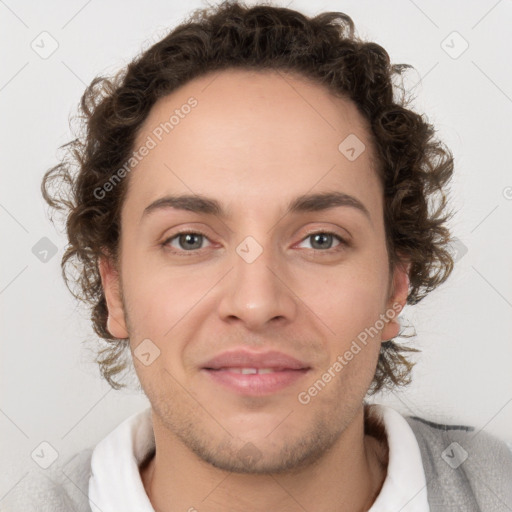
{"x":50,"y":389}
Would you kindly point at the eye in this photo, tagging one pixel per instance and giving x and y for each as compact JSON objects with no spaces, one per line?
{"x":322,"y":240}
{"x":187,"y":241}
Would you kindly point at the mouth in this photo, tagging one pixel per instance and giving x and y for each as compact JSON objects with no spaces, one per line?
{"x":255,"y":373}
{"x":255,"y":381}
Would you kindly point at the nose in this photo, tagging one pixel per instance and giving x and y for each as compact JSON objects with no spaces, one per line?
{"x":257,"y":290}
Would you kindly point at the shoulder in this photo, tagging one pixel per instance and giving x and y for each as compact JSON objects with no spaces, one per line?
{"x":61,"y":487}
{"x":464,"y":460}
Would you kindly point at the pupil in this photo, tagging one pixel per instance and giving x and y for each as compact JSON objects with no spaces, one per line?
{"x":321,"y":236}
{"x":185,"y":239}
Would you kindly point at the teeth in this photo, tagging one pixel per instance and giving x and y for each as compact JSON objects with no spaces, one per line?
{"x":250,"y":371}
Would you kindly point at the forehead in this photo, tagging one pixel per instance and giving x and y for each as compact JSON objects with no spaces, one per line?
{"x":267,"y":135}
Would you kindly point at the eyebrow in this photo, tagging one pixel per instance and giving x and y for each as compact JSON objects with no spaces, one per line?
{"x":305,"y":203}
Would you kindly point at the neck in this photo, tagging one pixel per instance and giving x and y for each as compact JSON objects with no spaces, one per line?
{"x":348,"y":477}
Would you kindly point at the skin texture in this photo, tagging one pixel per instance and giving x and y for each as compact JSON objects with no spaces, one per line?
{"x":254,"y":141}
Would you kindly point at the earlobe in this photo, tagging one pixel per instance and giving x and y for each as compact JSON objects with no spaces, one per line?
{"x":116,"y":324}
{"x":397,"y":300}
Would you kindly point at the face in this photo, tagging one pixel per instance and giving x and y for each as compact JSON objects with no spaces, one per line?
{"x":254,"y":275}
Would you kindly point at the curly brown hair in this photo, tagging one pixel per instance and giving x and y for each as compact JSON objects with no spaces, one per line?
{"x":413,"y":166}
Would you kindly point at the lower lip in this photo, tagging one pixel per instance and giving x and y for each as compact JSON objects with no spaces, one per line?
{"x":256,"y":384}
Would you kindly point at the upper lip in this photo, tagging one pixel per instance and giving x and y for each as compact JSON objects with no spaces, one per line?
{"x":245,"y":359}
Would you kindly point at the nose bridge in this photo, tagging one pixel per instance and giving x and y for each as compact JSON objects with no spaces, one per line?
{"x":254,"y":260}
{"x":256,"y":293}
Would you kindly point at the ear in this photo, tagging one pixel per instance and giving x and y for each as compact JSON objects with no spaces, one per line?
{"x":116,"y":324}
{"x":397,"y":299}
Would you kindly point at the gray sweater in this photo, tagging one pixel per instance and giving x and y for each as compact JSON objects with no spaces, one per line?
{"x":466,"y":470}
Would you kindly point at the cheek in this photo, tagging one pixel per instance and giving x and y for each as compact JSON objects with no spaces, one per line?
{"x":163,"y":304}
{"x":347,"y":300}
{"x":354,"y":344}
{"x":151,"y":290}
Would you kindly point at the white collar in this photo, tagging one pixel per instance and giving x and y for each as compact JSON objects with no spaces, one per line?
{"x":405,"y":486}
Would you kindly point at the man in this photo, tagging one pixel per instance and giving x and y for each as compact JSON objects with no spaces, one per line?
{"x":252,"y":211}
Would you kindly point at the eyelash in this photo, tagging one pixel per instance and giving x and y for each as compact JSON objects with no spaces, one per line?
{"x":343,"y":242}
